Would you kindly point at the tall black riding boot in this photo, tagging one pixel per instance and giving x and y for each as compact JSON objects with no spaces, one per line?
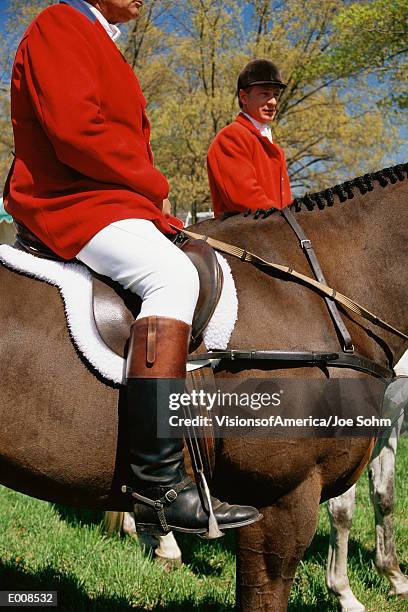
{"x":165,"y":498}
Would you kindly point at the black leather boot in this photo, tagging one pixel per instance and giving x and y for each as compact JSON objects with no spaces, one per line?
{"x":165,"y":498}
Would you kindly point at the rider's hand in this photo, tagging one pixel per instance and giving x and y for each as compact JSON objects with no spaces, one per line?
{"x":166,"y":207}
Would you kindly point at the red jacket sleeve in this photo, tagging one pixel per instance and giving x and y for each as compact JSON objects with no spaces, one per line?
{"x":233,"y":173}
{"x":62,"y":77}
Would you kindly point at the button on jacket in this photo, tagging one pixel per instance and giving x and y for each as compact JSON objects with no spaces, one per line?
{"x":83,"y":158}
{"x":246,"y":170}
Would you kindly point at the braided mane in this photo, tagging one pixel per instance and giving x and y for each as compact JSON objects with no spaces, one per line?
{"x":344,"y":191}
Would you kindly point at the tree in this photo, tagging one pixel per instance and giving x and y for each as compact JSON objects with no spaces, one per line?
{"x":331,"y":123}
{"x":148,"y":48}
{"x":18,"y":16}
{"x":206,"y":58}
{"x":375,"y":36}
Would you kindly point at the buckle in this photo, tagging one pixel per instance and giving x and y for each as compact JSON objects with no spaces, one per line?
{"x":158,"y":505}
{"x":170,"y":495}
{"x":305,"y":244}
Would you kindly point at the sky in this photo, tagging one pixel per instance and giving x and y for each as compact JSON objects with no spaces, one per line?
{"x":3,"y":5}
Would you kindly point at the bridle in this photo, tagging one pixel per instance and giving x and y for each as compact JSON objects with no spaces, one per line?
{"x":348,"y":358}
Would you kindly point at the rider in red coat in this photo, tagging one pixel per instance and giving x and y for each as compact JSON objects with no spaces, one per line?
{"x":84,"y":182}
{"x":83,"y":157}
{"x":246,"y":169}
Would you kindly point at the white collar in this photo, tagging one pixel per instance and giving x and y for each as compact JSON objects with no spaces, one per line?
{"x":111,"y":29}
{"x":264,"y":128}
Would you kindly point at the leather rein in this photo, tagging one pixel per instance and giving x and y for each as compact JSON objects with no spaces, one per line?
{"x":347,"y":358}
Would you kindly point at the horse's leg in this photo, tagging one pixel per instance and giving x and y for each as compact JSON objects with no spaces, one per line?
{"x":128,"y":525}
{"x":113,"y":522}
{"x":269,"y":551}
{"x":168,"y":551}
{"x":381,"y":481}
{"x":341,"y":510}
{"x":165,"y":547}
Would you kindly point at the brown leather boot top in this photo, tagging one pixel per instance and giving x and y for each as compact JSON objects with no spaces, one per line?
{"x":158,"y":348}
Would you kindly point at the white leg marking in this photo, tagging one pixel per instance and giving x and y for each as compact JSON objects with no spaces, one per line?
{"x":341,"y":511}
{"x":165,"y":547}
{"x":129,"y":526}
{"x":168,"y":548}
{"x":381,"y":482}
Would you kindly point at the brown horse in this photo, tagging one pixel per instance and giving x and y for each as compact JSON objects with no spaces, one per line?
{"x":62,"y":437}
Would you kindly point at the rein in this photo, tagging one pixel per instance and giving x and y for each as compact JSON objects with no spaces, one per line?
{"x":308,"y":250}
{"x":255,"y":260}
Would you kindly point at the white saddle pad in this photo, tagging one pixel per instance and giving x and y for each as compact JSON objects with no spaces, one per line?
{"x":74,"y":282}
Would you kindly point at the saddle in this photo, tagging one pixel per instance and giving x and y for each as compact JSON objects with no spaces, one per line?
{"x":115,"y":308}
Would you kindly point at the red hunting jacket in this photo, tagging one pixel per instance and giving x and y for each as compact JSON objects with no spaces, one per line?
{"x":246,"y":170}
{"x":83,"y":158}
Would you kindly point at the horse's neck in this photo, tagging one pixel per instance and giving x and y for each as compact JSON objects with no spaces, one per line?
{"x":361,"y":245}
{"x":367,"y":236}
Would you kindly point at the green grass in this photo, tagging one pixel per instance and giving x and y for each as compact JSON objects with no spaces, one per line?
{"x":44,"y":546}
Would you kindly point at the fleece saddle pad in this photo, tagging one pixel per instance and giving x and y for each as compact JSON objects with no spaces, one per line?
{"x":74,"y":282}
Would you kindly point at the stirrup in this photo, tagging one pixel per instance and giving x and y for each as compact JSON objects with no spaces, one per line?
{"x":214,"y":531}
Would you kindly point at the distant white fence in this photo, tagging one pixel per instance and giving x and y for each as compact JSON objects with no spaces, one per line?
{"x":201,"y":216}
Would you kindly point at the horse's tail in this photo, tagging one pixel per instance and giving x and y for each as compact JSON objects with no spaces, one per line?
{"x":113,"y":522}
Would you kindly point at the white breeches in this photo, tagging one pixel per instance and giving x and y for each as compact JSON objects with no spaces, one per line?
{"x":137,"y":255}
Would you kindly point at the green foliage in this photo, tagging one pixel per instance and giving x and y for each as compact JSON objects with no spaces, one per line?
{"x":331,"y":123}
{"x":371,"y":34}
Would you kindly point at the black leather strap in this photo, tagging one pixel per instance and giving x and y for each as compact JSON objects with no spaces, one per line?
{"x":259,"y":262}
{"x":307,"y":358}
{"x":305,"y":243}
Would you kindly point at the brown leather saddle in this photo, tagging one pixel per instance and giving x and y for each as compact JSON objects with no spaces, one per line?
{"x":115,"y":308}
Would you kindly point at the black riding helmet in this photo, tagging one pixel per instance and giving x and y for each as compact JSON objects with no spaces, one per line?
{"x":259,"y":72}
